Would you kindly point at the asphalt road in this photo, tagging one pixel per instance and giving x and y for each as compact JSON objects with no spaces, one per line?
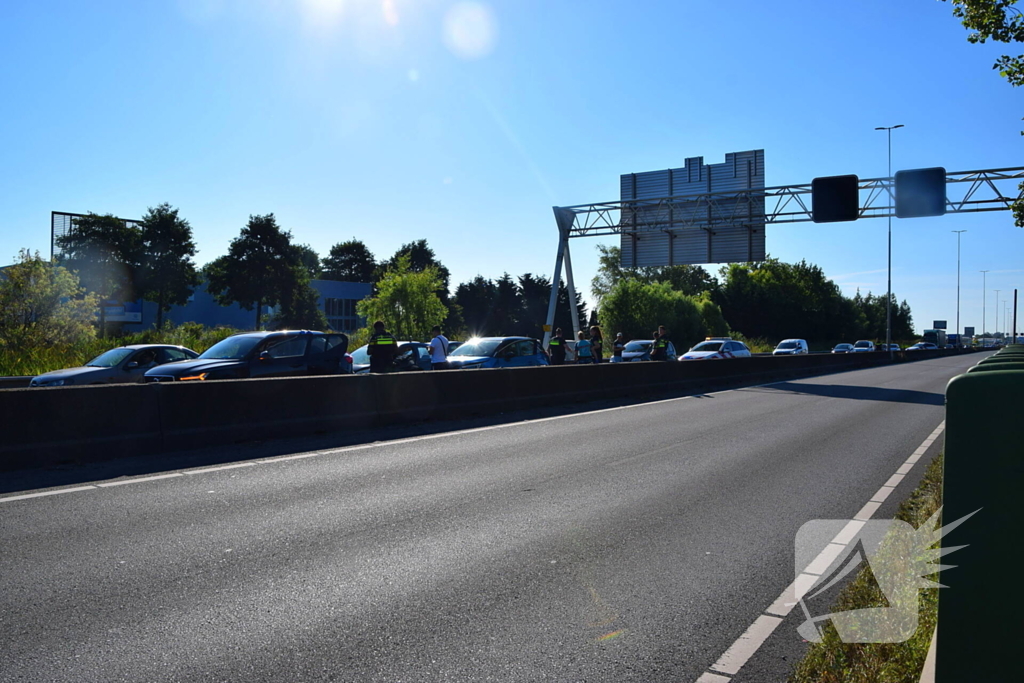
{"x":631,"y":544}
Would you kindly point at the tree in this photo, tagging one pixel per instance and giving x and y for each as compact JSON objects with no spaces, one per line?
{"x":310,"y":260}
{"x":260,"y":267}
{"x":43,"y":304}
{"x":299,"y":305}
{"x":421,"y":257}
{"x":476,"y":299}
{"x":349,"y":261}
{"x":1000,"y":21}
{"x":534,"y":296}
{"x":406,"y":300}
{"x":105,"y":253}
{"x":688,"y":279}
{"x":636,"y":309}
{"x":167,"y":274}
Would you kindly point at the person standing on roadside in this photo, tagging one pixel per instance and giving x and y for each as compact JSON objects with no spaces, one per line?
{"x":618,"y":346}
{"x":381,"y":348}
{"x":659,"y":350}
{"x":583,"y":351}
{"x":556,"y":348}
{"x":438,"y":349}
{"x":596,"y":343}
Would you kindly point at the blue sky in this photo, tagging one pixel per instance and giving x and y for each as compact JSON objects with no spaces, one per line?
{"x":465,"y":122}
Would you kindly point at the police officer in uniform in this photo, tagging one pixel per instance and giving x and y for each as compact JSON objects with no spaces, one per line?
{"x":382,"y":348}
{"x":659,"y":350}
{"x":556,"y":348}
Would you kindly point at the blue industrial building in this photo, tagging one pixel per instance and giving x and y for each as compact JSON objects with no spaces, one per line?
{"x":336,"y":299}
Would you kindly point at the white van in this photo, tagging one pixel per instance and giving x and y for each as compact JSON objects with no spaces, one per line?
{"x":863,"y":346}
{"x":789,"y":347}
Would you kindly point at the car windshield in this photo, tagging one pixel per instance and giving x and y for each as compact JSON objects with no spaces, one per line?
{"x":844,"y":346}
{"x":862,"y":344}
{"x":788,"y":345}
{"x":708,"y":346}
{"x":110,"y":358}
{"x":635,"y":346}
{"x":477,"y":347}
{"x":232,"y":348}
{"x":361,"y":356}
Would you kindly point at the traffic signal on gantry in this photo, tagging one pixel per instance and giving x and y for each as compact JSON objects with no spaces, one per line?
{"x":835,"y":198}
{"x":921,"y":192}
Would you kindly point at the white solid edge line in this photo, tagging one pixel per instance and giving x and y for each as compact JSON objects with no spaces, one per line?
{"x":746,"y":645}
{"x":46,"y":493}
{"x":881,"y":495}
{"x":825,"y":559}
{"x":221,"y":467}
{"x":791,"y":595}
{"x":709,"y":677}
{"x":894,"y":480}
{"x":867,"y":511}
{"x":139,"y":480}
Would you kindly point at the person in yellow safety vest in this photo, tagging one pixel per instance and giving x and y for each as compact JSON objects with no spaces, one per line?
{"x":382,"y":348}
{"x":659,"y":350}
{"x":556,"y":348}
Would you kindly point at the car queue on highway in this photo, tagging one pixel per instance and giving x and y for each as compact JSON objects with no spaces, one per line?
{"x":288,"y":353}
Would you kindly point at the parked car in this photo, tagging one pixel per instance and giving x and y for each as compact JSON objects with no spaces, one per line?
{"x":863,"y":346}
{"x":891,"y":347}
{"x":842,"y":348}
{"x":640,"y":350}
{"x":117,"y":366}
{"x":497,"y":352}
{"x":717,"y":348}
{"x":410,"y":356}
{"x":922,"y":346}
{"x":285,"y":353}
{"x":789,"y":347}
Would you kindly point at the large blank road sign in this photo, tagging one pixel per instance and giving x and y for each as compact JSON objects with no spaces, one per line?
{"x":695,"y":214}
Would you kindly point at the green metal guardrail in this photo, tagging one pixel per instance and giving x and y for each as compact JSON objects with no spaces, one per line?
{"x":980,"y":612}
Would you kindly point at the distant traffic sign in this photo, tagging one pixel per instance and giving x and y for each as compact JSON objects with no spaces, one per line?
{"x":921,"y":192}
{"x":835,"y":198}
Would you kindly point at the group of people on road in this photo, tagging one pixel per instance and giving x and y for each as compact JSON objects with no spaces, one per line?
{"x":383,"y":346}
{"x":592,"y":350}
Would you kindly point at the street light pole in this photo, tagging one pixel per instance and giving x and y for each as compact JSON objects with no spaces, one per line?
{"x":959,"y":340}
{"x":888,"y":299}
{"x":983,"y":297}
{"x":997,"y":312}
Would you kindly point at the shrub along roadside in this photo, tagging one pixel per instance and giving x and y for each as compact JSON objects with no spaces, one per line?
{"x":833,"y":661}
{"x":39,"y":359}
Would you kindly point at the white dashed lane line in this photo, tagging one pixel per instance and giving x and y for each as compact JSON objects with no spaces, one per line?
{"x":740,"y":652}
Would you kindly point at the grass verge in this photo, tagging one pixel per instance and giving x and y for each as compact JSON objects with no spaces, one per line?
{"x":833,"y":661}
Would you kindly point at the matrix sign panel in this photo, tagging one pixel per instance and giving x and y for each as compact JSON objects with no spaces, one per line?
{"x":695,"y":214}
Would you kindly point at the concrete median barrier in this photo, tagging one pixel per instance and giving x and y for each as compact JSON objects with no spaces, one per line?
{"x":50,"y":426}
{"x":53,"y":425}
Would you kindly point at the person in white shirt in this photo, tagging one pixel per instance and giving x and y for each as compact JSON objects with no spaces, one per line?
{"x":438,"y":350}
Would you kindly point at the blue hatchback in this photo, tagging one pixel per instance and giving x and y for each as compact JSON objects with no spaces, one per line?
{"x":498,"y":352}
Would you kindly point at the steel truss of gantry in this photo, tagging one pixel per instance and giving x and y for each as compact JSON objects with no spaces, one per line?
{"x":966,"y":192}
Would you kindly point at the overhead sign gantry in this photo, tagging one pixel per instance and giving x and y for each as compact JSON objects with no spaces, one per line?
{"x":725,"y":221}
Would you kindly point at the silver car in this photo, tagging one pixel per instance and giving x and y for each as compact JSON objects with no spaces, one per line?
{"x":117,"y":366}
{"x":640,"y":350}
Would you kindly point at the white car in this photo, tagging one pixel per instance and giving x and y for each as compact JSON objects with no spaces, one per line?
{"x":863,"y":346}
{"x":922,"y":346}
{"x":789,"y":347}
{"x":715,"y":349}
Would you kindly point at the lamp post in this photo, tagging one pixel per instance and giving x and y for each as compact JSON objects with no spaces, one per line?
{"x":997,"y":312}
{"x":959,"y":340}
{"x":888,"y":299}
{"x":983,"y":295}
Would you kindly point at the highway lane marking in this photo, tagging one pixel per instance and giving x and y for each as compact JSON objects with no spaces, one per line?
{"x":139,"y":480}
{"x":235,"y":466}
{"x":46,"y":493}
{"x":740,"y":652}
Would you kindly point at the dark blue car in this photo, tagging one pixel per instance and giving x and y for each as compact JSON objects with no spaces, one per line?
{"x":498,"y":352}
